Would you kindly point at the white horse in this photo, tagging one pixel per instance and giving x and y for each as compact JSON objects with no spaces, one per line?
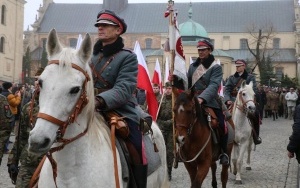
{"x":243,"y":105}
{"x":88,"y":160}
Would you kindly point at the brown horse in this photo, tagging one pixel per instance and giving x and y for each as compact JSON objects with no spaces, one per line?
{"x":195,"y":137}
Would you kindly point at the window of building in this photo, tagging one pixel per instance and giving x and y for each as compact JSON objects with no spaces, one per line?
{"x":243,"y":44}
{"x":148,"y":43}
{"x":2,"y":42}
{"x":276,"y":43}
{"x":278,"y":73}
{"x":73,"y":42}
{"x":3,"y":15}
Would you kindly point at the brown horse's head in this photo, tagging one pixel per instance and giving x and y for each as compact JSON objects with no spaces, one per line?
{"x":187,"y":112}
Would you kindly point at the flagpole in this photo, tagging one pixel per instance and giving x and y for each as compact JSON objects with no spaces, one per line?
{"x":172,"y":51}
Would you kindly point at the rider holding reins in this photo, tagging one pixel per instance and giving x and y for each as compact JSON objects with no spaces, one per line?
{"x":232,"y":87}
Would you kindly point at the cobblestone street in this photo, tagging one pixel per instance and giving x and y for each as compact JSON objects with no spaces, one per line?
{"x":271,"y":168}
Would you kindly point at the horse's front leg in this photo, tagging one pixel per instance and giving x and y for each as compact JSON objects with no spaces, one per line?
{"x":248,"y":162}
{"x":235,"y":155}
{"x":243,"y":148}
{"x":213,"y":168}
{"x":202,"y":170}
{"x":192,"y":170}
{"x":224,"y":175}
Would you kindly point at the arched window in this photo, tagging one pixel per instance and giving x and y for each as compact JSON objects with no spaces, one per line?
{"x":2,"y":41}
{"x":3,"y":15}
{"x":148,"y":43}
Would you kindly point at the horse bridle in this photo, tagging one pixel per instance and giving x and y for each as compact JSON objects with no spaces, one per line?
{"x":80,"y":104}
{"x":189,"y":127}
{"x":189,"y":131}
{"x":242,"y":107}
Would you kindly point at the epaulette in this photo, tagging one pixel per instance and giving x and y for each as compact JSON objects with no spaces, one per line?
{"x":128,"y":50}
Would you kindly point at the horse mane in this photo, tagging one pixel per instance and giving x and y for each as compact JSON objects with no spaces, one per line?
{"x":96,"y":122}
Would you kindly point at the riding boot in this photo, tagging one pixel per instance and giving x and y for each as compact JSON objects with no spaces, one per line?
{"x":224,"y":159}
{"x":140,"y":175}
{"x":170,"y":172}
{"x":276,"y":115}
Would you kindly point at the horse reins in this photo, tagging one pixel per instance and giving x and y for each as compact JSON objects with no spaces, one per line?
{"x":189,"y":130}
{"x":80,"y":104}
{"x":243,"y":107}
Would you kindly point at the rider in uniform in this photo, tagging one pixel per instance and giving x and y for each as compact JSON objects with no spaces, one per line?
{"x":206,"y":87}
{"x":232,"y":87}
{"x":115,"y":72}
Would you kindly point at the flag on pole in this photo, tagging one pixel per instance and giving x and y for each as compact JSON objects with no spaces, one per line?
{"x":79,"y":40}
{"x":143,"y":82}
{"x":221,"y":88}
{"x":176,"y":44}
{"x":156,"y":79}
{"x":167,"y":70}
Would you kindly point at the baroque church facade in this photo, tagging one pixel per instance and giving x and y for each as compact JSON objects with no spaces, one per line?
{"x":226,"y":24}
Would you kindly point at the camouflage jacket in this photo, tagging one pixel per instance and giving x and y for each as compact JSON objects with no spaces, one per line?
{"x":164,"y":118}
{"x":25,"y":128}
{"x":5,"y":113}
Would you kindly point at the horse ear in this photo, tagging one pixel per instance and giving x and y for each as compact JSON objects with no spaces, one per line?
{"x":85,"y":50}
{"x":243,"y":84}
{"x":251,"y":84}
{"x":53,"y":44}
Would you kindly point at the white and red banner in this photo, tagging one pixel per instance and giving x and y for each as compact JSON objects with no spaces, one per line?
{"x":176,"y":44}
{"x":143,"y":82}
{"x":79,"y":41}
{"x":156,"y":79}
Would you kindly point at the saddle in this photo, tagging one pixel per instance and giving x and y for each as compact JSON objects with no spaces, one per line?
{"x":212,"y":117}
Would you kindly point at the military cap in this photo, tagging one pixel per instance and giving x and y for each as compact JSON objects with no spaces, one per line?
{"x":203,"y":44}
{"x":168,"y":84}
{"x":240,"y":62}
{"x":111,"y":18}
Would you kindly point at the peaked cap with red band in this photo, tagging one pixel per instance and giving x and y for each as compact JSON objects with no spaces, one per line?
{"x":111,"y":18}
{"x":240,"y":62}
{"x":203,"y":44}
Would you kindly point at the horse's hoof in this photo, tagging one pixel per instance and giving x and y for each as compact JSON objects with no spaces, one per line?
{"x":248,"y":168}
{"x":238,"y":182}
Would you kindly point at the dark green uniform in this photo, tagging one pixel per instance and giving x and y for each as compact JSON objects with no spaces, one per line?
{"x":165,"y":123}
{"x":5,"y":128}
{"x":29,"y":162}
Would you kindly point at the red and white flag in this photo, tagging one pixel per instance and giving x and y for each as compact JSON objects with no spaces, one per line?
{"x":221,"y":88}
{"x":167,"y":70}
{"x":176,"y":44}
{"x":143,"y":82}
{"x":156,"y":79}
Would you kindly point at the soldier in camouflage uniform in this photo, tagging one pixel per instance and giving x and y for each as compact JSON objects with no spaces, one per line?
{"x":165,"y":123}
{"x":29,"y":162}
{"x":5,"y":128}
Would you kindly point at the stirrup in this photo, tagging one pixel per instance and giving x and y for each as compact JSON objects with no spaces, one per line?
{"x":257,"y":141}
{"x":221,"y":157}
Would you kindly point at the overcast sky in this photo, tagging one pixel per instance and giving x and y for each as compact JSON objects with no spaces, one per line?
{"x":32,"y":6}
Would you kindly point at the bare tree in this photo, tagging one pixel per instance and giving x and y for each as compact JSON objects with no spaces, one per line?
{"x":262,"y":39}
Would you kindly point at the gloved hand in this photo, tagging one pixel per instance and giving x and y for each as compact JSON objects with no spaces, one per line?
{"x":99,"y":103}
{"x":13,"y":171}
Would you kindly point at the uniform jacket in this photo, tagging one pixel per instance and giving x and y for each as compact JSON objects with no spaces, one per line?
{"x":294,"y":143}
{"x":232,"y":82}
{"x":272,"y":100}
{"x":5,"y":113}
{"x":164,"y":118}
{"x":120,"y":77}
{"x":209,"y":83}
{"x":13,"y":101}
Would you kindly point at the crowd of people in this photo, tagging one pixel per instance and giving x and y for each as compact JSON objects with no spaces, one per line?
{"x":120,"y":79}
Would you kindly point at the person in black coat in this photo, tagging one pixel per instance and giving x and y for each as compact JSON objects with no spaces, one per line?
{"x":294,"y":144}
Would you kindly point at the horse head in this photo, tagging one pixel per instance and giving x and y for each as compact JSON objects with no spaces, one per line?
{"x":187,"y":111}
{"x":245,"y":98}
{"x":65,"y":86}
